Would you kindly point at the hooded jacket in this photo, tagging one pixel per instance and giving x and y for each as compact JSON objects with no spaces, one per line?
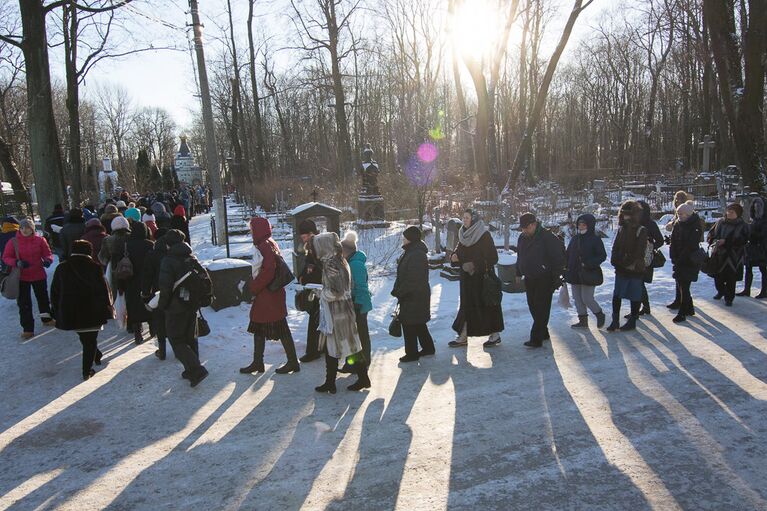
{"x":268,"y":306}
{"x":173,"y":266}
{"x":32,"y":249}
{"x":179,"y":221}
{"x":10,"y":227}
{"x":71,"y":232}
{"x":585,"y":254}
{"x":95,"y":234}
{"x":80,"y":297}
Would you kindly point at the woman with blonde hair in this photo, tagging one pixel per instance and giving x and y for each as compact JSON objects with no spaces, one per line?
{"x":338,"y":326}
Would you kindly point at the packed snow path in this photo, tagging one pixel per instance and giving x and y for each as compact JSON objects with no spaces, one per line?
{"x":667,"y":417}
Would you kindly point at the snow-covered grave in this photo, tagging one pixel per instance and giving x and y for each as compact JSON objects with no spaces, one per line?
{"x":666,"y":417}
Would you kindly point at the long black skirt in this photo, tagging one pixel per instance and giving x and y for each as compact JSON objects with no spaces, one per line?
{"x":273,"y":331}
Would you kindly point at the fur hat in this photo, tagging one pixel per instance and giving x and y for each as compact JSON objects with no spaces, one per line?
{"x":82,"y":247}
{"x":686,"y":209}
{"x":110,"y":208}
{"x":350,"y":241}
{"x":307,"y":227}
{"x":412,"y":234}
{"x":630,"y":211}
{"x":737,"y":208}
{"x":120,"y":222}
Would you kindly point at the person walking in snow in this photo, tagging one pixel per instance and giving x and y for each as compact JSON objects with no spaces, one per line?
{"x":180,"y":306}
{"x":338,"y":325}
{"x":150,"y":284}
{"x":268,"y":312}
{"x":180,"y":222}
{"x":139,"y":247}
{"x":94,"y":234}
{"x":32,"y":255}
{"x":151,"y":224}
{"x":685,"y":251}
{"x":359,"y":362}
{"x":656,"y":238}
{"x":72,"y":230}
{"x":628,"y":259}
{"x":81,"y":301}
{"x":311,"y":273}
{"x":110,"y":213}
{"x":413,"y":294}
{"x":729,"y":237}
{"x":756,"y":249}
{"x":476,"y":255}
{"x":541,"y":261}
{"x":161,"y":216}
{"x":585,"y":254}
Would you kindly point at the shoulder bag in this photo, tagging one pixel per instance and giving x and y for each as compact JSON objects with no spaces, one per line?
{"x":9,"y":283}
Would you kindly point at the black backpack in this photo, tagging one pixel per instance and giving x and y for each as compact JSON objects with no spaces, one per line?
{"x":198,"y":285}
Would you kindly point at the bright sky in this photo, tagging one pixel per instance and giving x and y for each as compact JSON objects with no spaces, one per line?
{"x":166,"y":78}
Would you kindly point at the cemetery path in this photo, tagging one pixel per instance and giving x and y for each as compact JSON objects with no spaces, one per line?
{"x":667,"y":417}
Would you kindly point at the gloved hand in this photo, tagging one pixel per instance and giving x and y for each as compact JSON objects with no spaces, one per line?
{"x":22,"y":264}
{"x":47,"y":263}
{"x":468,"y":267}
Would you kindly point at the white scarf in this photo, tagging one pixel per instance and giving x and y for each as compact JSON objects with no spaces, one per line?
{"x":256,"y":262}
{"x":470,"y":236}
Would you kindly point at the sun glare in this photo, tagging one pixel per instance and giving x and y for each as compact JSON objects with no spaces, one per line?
{"x":475,"y":27}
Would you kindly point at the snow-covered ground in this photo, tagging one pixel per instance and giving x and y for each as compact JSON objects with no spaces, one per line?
{"x":666,"y":417}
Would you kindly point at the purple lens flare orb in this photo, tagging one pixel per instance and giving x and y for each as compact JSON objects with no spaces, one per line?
{"x":421,"y":168}
{"x":427,"y":152}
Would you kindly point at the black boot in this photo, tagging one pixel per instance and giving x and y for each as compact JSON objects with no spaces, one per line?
{"x":615,"y":323}
{"x":200,"y":374}
{"x":631,"y":324}
{"x":363,"y":382}
{"x":601,"y":319}
{"x":161,"y":348}
{"x":138,"y":335}
{"x":257,"y":366}
{"x":99,"y":356}
{"x":290,"y":350}
{"x":674,"y":306}
{"x":583,"y":322}
{"x":331,"y":368}
{"x":745,"y":292}
{"x":679,"y":318}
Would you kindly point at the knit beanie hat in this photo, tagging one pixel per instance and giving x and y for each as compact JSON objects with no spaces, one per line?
{"x":120,"y":222}
{"x":121,"y":204}
{"x":26,"y":222}
{"x":82,"y":247}
{"x":737,"y":208}
{"x":148,"y":217}
{"x":307,"y":227}
{"x":110,"y":208}
{"x":350,"y":241}
{"x":133,"y":214}
{"x":92,"y":222}
{"x":686,"y":209}
{"x":412,"y":234}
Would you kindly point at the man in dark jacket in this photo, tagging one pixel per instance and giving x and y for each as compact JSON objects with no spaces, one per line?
{"x":541,"y":261}
{"x":655,"y":237}
{"x":72,"y":230}
{"x":180,"y":312}
{"x":311,"y":274}
{"x":150,"y":284}
{"x":53,"y":225}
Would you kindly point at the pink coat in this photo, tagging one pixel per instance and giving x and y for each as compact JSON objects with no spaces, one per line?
{"x":32,"y":249}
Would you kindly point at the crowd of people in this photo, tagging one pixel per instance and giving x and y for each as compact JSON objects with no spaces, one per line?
{"x":136,"y":251}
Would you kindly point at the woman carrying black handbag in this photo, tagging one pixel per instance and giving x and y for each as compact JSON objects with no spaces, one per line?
{"x":756,"y":249}
{"x":585,"y":254}
{"x":414,"y":294}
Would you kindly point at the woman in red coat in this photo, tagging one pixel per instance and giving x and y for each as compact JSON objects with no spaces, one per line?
{"x":268,"y":313}
{"x":33,"y":256}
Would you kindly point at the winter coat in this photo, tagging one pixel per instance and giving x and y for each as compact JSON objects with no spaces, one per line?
{"x":150,"y":274}
{"x":80,"y":297}
{"x":268,"y":306}
{"x":113,"y":248}
{"x":542,"y":254}
{"x":161,"y":216}
{"x":106,"y":221}
{"x":585,"y":254}
{"x":479,"y":318}
{"x":71,"y":232}
{"x":311,"y":273}
{"x":179,"y":222}
{"x":653,"y":235}
{"x":630,"y":243}
{"x":685,"y":240}
{"x":735,"y":235}
{"x":174,"y":266}
{"x":756,"y":250}
{"x":8,"y":230}
{"x":412,"y":288}
{"x":56,"y":219}
{"x":360,"y":289}
{"x":139,"y":247}
{"x":32,"y":249}
{"x":95,"y":234}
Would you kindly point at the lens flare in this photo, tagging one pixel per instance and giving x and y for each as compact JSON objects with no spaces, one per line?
{"x":427,"y":152}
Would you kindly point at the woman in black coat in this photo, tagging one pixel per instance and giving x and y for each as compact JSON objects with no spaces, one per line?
{"x":81,"y":301}
{"x":413,"y":293}
{"x":756,"y":250}
{"x":139,"y":246}
{"x":655,"y":237}
{"x":585,"y":254}
{"x":684,"y":250}
{"x":475,"y":255}
{"x":150,"y":284}
{"x":729,"y":235}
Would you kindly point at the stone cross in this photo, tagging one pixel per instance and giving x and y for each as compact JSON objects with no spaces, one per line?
{"x":315,"y":193}
{"x":707,"y":145}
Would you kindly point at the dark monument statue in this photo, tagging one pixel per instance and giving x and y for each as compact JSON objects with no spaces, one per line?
{"x":370,"y":203}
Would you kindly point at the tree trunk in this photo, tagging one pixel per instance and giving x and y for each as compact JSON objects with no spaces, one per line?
{"x":259,"y":157}
{"x":45,"y":153}
{"x":70,"y":30}
{"x":343,"y":143}
{"x":12,"y":173}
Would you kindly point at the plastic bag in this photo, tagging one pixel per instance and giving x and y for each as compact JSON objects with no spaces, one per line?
{"x":121,"y":310}
{"x":564,"y":297}
{"x":108,"y":277}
